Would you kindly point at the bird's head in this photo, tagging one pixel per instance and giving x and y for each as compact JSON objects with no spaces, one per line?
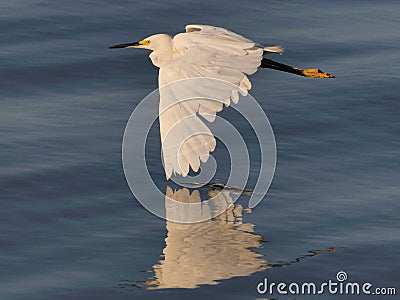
{"x":152,"y":42}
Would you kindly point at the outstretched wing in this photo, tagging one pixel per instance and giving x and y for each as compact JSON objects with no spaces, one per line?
{"x":224,"y":58}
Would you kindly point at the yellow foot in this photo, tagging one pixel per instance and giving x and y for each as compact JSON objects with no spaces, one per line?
{"x":317,"y":73}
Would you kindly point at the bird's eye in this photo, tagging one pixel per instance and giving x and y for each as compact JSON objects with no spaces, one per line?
{"x":144,"y":42}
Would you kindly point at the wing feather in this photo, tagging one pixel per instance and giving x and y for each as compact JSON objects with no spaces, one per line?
{"x":202,"y":52}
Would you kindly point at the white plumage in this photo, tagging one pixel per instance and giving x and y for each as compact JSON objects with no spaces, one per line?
{"x":220,"y":55}
{"x":203,"y":51}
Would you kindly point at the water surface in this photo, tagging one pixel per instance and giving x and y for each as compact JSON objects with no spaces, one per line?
{"x":71,"y":229}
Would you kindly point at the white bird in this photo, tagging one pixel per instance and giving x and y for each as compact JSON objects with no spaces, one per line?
{"x":202,"y":52}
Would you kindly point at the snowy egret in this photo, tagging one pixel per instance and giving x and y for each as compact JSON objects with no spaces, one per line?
{"x":203,"y":52}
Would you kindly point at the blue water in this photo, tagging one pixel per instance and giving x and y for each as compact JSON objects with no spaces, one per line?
{"x":70,"y":227}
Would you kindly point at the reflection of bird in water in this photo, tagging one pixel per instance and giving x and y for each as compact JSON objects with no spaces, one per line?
{"x":202,"y":52}
{"x":206,"y":252}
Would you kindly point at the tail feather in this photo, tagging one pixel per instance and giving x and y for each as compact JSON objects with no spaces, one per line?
{"x":274,"y":49}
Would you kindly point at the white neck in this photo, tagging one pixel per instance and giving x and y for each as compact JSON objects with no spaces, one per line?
{"x":160,"y":58}
{"x":163,"y":53}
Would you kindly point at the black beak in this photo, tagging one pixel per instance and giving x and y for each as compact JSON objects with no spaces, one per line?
{"x":125,"y":45}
